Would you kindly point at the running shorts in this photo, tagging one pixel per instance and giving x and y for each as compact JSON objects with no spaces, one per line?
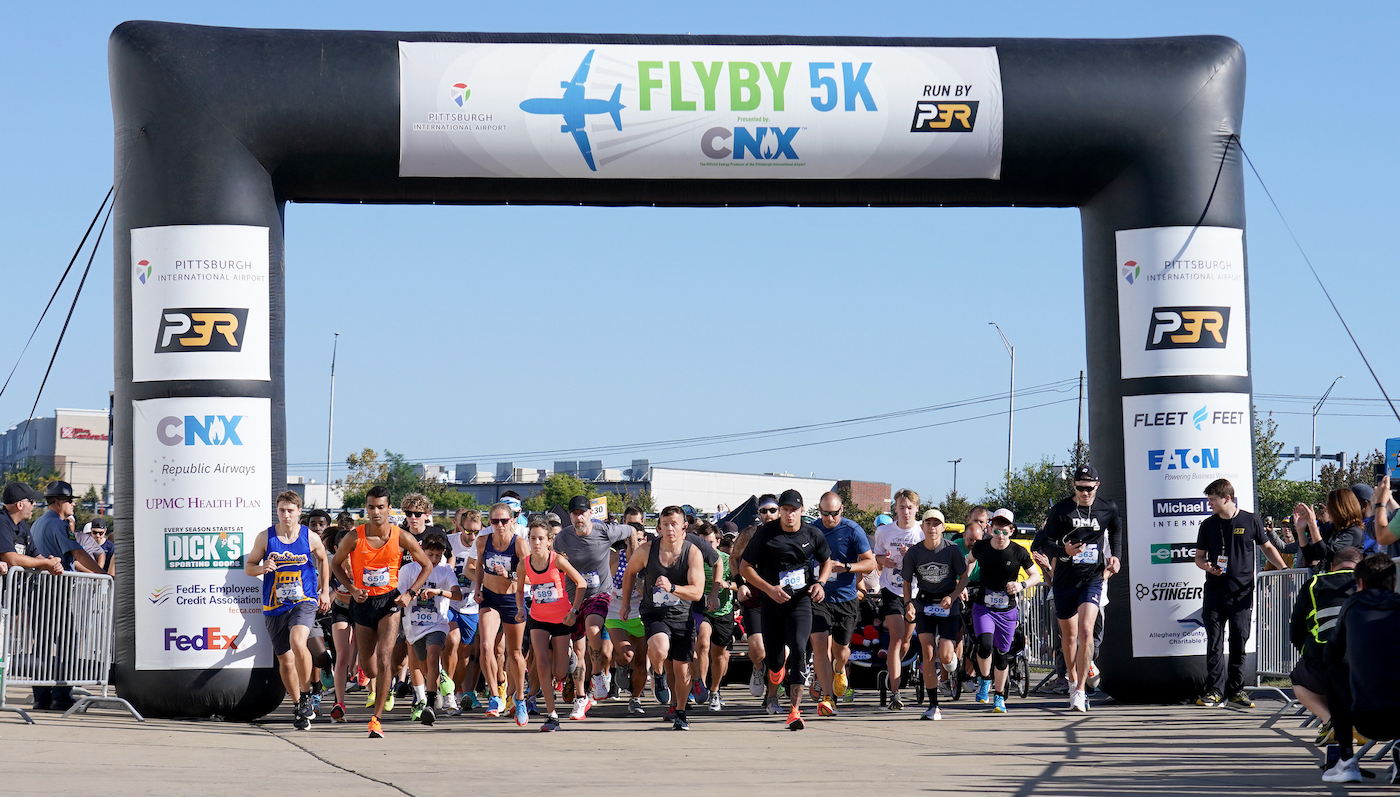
{"x":553,"y":629}
{"x":681,"y":633}
{"x":422,"y":643}
{"x":632,"y":627}
{"x":927,"y":622}
{"x":837,"y":618}
{"x":1068,"y":599}
{"x":374,"y":608}
{"x":279,"y":626}
{"x":721,"y":631}
{"x":504,"y":605}
{"x":891,"y":603}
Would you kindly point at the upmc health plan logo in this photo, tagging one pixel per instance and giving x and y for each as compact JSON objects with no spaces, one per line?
{"x":1196,"y":327}
{"x":192,"y":430}
{"x":459,"y":93}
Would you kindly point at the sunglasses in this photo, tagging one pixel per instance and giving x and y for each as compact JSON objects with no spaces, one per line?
{"x":1086,"y":488}
{"x":768,"y":511}
{"x":831,"y":513}
{"x":415,"y":514}
{"x":1002,"y":532}
{"x":502,"y":521}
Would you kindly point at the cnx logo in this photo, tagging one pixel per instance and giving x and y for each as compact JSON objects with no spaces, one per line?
{"x":749,"y":143}
{"x":1183,"y":459}
{"x":209,"y":430}
{"x":206,"y":639}
{"x":942,"y":116}
{"x":201,"y":329}
{"x":1173,"y":553}
{"x":1188,"y":328}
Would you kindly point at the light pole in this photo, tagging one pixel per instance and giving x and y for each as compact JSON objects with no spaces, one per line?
{"x":1312,"y":463}
{"x":330,"y":421}
{"x":955,"y":473}
{"x":1010,"y":401}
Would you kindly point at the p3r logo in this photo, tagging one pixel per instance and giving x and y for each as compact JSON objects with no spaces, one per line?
{"x":944,"y":116}
{"x":218,"y":329}
{"x":1198,"y":327}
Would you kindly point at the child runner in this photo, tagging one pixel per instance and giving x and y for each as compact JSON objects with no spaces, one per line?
{"x":552,"y":614}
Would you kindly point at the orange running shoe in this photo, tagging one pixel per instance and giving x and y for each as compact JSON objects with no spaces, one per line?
{"x":375,"y":731}
{"x":826,"y":707}
{"x":794,"y":720}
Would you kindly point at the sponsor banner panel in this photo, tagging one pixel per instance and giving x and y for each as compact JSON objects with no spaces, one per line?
{"x":199,"y":303}
{"x":718,"y":112}
{"x":1173,"y":446}
{"x":202,"y":492}
{"x":1181,"y":302}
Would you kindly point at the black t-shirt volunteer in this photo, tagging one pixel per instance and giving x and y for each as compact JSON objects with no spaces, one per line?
{"x":933,"y":574}
{"x":781,"y":558}
{"x":1097,"y":526}
{"x":997,"y":568}
{"x":1236,"y":539}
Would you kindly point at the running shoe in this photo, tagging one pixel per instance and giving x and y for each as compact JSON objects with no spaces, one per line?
{"x":532,"y":704}
{"x":301,"y":723}
{"x":1077,"y":701}
{"x":302,"y":707}
{"x":551,"y":724}
{"x":522,"y":716}
{"x":932,"y":714}
{"x":716,"y":702}
{"x":998,"y":704}
{"x":327,"y":679}
{"x":473,"y":700}
{"x":1211,"y":699}
{"x":450,"y":705}
{"x":1325,"y":736}
{"x":428,"y":716}
{"x":375,"y":730}
{"x":669,"y":715}
{"x":634,"y":707}
{"x":794,"y":719}
{"x":896,"y":702}
{"x":1393,"y":776}
{"x":361,"y":680}
{"x":660,"y":689}
{"x":1241,"y":700}
{"x":1345,"y":771}
{"x":842,"y":685}
{"x":775,"y":677}
{"x":315,"y":707}
{"x":445,"y":685}
{"x":826,"y":707}
{"x":680,"y":723}
{"x":849,"y":696}
{"x":338,"y":712}
{"x":369,"y":699}
{"x":389,"y":704}
{"x":756,"y":682}
{"x":353,"y":687}
{"x":493,"y":706}
{"x":416,"y":710}
{"x":404,"y":690}
{"x":581,"y":707}
{"x":984,"y":690}
{"x":602,"y":685}
{"x":772,"y":707}
{"x":699,"y":693}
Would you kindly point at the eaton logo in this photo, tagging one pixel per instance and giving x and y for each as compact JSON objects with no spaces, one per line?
{"x":1183,"y":459}
{"x":749,"y":143}
{"x":206,"y":639}
{"x":1180,"y":507}
{"x":191,"y":430}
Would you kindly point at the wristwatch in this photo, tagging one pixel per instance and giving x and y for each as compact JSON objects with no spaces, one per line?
{"x":413,"y":593}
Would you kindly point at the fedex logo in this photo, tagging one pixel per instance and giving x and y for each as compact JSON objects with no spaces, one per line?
{"x":207,"y":639}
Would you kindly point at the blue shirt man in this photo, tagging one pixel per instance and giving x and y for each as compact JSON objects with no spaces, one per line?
{"x":52,"y":535}
{"x":835,"y":617}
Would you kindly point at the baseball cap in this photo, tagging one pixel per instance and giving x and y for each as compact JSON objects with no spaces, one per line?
{"x":97,"y":523}
{"x":1004,"y":514}
{"x":18,"y":491}
{"x":1085,"y":473}
{"x":791,"y":498}
{"x":883,"y":520}
{"x":552,"y":519}
{"x":931,"y":514}
{"x":579,"y":504}
{"x":1363,"y":493}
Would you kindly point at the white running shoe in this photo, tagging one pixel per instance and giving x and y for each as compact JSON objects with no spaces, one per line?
{"x":932,"y":714}
{"x":450,"y":706}
{"x":756,"y":682}
{"x":1347,"y":770}
{"x":602,"y":685}
{"x":773,"y":707}
{"x":1077,"y":701}
{"x":716,"y":703}
{"x":581,"y":707}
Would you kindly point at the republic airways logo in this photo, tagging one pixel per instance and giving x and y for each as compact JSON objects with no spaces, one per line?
{"x":459,"y":93}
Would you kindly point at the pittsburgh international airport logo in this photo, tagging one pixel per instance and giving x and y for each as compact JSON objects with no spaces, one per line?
{"x":1131,"y":270}
{"x":143,"y":270}
{"x":460,"y":93}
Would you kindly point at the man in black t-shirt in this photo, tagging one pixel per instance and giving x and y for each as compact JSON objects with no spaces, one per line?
{"x":1225,"y":549}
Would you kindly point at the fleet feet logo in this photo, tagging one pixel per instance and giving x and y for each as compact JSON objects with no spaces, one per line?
{"x":1131,"y":270}
{"x":460,"y":93}
{"x":161,"y":595}
{"x":1199,"y":417}
{"x":143,"y":270}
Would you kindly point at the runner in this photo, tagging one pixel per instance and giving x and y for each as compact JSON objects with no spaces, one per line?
{"x":834,"y":619}
{"x":719,"y":618}
{"x":777,"y":562}
{"x":336,"y":623}
{"x":552,"y":614}
{"x":891,"y":543}
{"x":674,"y":576}
{"x":994,"y":611}
{"x":750,"y":601}
{"x":296,"y":560}
{"x":370,"y":560}
{"x":588,"y":543}
{"x":498,"y":556}
{"x":464,"y":663}
{"x":1078,"y":532}
{"x":429,"y":620}
{"x":934,"y":574}
{"x":629,"y":636}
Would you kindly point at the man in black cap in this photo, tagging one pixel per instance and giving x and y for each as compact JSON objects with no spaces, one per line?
{"x":1081,"y":538}
{"x":15,"y":547}
{"x":777,"y":564}
{"x":54,"y":535}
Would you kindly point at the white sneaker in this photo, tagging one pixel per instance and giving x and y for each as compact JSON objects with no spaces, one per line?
{"x":932,"y":714}
{"x":773,"y":707}
{"x":581,"y":707}
{"x":1077,"y":702}
{"x":756,"y":682}
{"x":449,"y":705}
{"x":1345,"y":771}
{"x":602,"y":684}
{"x":716,"y":703}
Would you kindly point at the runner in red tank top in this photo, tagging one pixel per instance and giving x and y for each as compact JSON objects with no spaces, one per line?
{"x":552,"y":614}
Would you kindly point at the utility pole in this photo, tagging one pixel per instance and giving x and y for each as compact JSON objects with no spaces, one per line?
{"x":330,"y":421}
{"x":955,"y":473}
{"x":1079,"y":424}
{"x":1312,"y":464}
{"x":1010,"y":401}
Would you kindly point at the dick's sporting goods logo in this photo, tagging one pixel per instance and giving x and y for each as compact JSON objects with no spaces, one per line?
{"x":1173,"y":553}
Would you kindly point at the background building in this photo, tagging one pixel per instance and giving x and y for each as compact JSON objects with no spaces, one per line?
{"x":72,"y":442}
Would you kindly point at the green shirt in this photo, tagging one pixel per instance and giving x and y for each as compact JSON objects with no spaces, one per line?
{"x":726,"y":596}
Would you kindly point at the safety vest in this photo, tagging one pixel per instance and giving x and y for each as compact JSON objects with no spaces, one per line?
{"x":1326,"y":594}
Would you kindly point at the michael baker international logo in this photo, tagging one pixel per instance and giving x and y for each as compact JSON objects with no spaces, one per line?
{"x":143,"y":270}
{"x":460,"y":93}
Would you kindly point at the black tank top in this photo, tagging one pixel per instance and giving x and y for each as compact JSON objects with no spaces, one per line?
{"x":666,"y":604}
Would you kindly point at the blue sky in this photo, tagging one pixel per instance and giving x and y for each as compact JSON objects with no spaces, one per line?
{"x":474,"y":330}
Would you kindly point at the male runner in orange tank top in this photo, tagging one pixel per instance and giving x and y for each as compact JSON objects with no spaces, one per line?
{"x":368,"y":561}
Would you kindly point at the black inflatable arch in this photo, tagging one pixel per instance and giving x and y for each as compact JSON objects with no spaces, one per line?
{"x":220,"y":126}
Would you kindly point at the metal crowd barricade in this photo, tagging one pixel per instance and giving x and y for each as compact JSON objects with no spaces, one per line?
{"x":57,"y":631}
{"x":1274,"y":594}
{"x":1039,"y":626}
